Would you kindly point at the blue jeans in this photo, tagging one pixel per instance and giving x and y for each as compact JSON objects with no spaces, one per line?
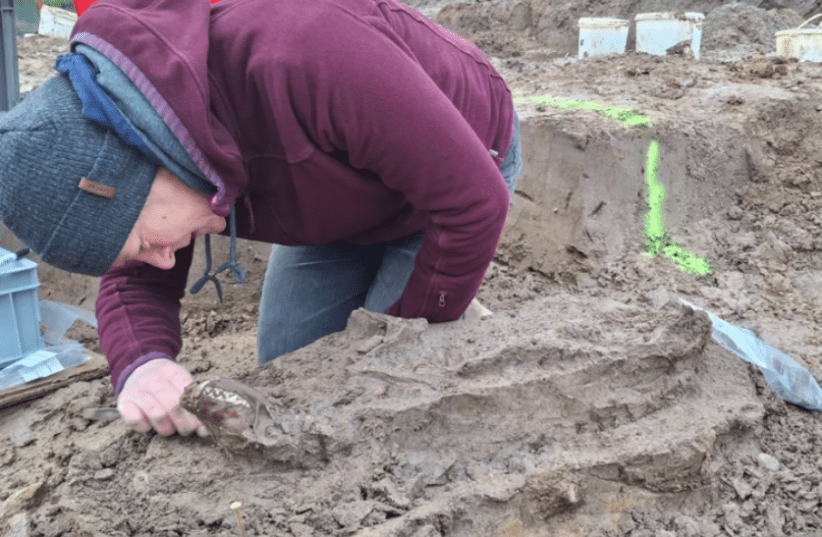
{"x":310,"y":291}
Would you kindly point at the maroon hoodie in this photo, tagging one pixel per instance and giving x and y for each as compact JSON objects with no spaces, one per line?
{"x":355,"y":121}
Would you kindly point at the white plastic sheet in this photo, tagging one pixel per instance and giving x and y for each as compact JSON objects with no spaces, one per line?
{"x":59,"y":353}
{"x":791,"y":382}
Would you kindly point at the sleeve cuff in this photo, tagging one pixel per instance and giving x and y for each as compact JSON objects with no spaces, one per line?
{"x":125,"y":373}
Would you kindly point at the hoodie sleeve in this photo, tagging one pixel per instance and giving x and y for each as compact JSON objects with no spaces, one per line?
{"x":138,"y":314}
{"x":358,"y":90}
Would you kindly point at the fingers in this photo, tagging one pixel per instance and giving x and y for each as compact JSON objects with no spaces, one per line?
{"x":158,"y":412}
{"x":144,"y":406}
{"x":133,"y":416}
{"x":182,"y":421}
{"x":151,"y":400}
{"x":173,"y":381}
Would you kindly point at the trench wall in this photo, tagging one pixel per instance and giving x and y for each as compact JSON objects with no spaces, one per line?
{"x":581,"y":200}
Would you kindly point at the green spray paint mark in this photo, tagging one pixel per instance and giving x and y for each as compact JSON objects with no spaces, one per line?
{"x":657,"y":240}
{"x":629,"y":117}
{"x":655,"y":233}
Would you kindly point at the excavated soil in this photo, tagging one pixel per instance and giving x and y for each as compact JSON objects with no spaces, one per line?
{"x":590,"y":403}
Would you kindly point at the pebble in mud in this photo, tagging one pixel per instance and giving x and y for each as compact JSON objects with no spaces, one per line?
{"x":743,"y":490}
{"x":104,"y":474}
{"x":768,"y":462}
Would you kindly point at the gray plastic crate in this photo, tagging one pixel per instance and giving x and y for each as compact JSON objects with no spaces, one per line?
{"x":19,"y":310}
{"x":9,"y":77}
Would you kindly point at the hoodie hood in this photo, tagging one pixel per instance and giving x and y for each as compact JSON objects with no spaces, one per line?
{"x":168,"y":62}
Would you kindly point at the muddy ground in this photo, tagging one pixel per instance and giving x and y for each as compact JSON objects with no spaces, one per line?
{"x":590,"y":403}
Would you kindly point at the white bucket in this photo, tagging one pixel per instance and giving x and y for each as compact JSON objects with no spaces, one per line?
{"x":601,"y":36}
{"x":56,"y":22}
{"x":657,"y":32}
{"x":802,"y":44}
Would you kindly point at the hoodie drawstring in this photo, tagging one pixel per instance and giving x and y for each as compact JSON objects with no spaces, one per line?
{"x":239,"y":274}
{"x":247,"y":202}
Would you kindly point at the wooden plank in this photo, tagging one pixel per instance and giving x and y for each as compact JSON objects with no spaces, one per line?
{"x":94,"y":368}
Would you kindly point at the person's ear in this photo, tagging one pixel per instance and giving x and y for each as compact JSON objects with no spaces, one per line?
{"x":162,"y":257}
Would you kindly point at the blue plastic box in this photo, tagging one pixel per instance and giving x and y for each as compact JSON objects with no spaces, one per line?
{"x":19,"y":310}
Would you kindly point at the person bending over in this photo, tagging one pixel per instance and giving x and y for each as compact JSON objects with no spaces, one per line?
{"x":376,"y":150}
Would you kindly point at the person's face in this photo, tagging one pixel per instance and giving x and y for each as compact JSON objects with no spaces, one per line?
{"x":172,"y":217}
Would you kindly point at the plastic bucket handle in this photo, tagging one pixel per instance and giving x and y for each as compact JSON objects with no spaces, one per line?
{"x":809,"y":20}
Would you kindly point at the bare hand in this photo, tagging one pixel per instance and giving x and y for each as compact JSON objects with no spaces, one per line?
{"x":151,"y":400}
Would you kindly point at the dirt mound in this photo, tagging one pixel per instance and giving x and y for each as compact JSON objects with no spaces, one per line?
{"x":397,"y":428}
{"x":746,"y":28}
{"x":505,"y":27}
